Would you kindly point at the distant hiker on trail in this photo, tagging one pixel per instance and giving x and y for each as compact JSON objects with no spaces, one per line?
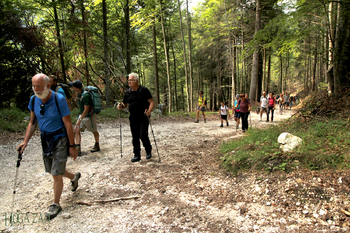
{"x":280,"y":101}
{"x":201,"y":106}
{"x":286,"y":100}
{"x":86,"y":118}
{"x":141,"y":105}
{"x":235,"y":111}
{"x":51,"y":112}
{"x":271,"y":106}
{"x":223,"y":113}
{"x":263,"y":105}
{"x":291,"y":99}
{"x":244,"y":111}
{"x":58,"y":89}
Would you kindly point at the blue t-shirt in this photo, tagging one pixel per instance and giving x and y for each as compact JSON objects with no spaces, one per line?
{"x":236,"y":104}
{"x":61,"y":91}
{"x":51,"y":121}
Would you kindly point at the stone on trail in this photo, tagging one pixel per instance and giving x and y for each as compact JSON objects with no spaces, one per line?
{"x":288,"y":141}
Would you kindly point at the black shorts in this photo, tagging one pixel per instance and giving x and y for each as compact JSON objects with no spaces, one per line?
{"x":224,"y":117}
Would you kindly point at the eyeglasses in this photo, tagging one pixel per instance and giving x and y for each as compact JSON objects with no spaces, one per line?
{"x":42,"y":109}
{"x":131,"y":80}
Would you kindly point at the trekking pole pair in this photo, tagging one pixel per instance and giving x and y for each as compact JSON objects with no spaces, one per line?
{"x":19,"y":159}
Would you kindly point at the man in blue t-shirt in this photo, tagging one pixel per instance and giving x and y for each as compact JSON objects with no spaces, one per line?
{"x":51,"y":112}
{"x":141,"y":105}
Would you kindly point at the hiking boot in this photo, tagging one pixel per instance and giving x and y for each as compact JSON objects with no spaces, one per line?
{"x":79,"y":150}
{"x":237,"y":126}
{"x":74,"y":182}
{"x":54,"y":209}
{"x":135,"y":159}
{"x":148,"y":155}
{"x":96,"y":147}
{"x":205,"y":120}
{"x":196,"y":121}
{"x":221,"y":125}
{"x":226,"y":123}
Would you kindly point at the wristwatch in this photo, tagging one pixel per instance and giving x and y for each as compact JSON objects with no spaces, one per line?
{"x":72,"y":145}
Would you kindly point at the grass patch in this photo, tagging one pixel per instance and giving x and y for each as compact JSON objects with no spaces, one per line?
{"x":325,"y":145}
{"x":13,"y":120}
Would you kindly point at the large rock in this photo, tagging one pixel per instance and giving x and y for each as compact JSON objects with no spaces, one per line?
{"x":288,"y":141}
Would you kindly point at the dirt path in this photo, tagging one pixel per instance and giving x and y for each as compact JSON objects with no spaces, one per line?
{"x":185,"y":192}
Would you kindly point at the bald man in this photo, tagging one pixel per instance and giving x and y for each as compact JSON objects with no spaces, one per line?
{"x":51,"y":112}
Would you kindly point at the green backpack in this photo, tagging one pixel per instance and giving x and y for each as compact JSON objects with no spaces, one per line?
{"x":95,"y":99}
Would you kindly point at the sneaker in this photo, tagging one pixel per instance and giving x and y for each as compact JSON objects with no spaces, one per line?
{"x":74,"y":182}
{"x":226,"y":123}
{"x":54,"y":209}
{"x":148,"y":155}
{"x":237,"y":126}
{"x":259,"y":119}
{"x":196,"y":121}
{"x":221,"y":125}
{"x":96,"y":147}
{"x":79,"y":150}
{"x":205,"y":121}
{"x":135,"y":159}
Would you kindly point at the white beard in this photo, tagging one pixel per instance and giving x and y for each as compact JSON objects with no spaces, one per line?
{"x":42,"y":94}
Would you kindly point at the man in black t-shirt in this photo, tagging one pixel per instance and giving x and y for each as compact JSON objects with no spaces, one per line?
{"x":141,"y":105}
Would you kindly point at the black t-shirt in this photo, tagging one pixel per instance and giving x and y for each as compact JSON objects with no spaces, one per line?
{"x":137,"y":100}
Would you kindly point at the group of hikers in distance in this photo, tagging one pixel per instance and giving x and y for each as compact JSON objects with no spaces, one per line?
{"x":241,"y":108}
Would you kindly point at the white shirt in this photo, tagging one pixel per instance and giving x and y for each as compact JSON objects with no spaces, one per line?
{"x":263,"y":101}
{"x":223,"y":110}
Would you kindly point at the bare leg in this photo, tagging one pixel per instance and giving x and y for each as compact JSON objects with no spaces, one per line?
{"x":97,"y":136}
{"x":57,"y":188}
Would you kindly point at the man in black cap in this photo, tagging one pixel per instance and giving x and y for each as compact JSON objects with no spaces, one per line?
{"x":141,"y":105}
{"x":86,"y":119}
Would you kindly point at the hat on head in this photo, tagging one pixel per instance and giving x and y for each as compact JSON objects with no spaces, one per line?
{"x":237,"y":96}
{"x":70,"y":84}
{"x":78,"y":84}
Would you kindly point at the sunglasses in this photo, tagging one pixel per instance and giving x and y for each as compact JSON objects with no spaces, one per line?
{"x":42,"y":109}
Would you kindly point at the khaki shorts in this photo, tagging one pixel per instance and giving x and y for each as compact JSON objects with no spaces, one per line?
{"x":56,"y":164}
{"x":89,"y":124}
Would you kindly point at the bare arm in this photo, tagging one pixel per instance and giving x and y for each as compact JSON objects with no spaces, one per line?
{"x":86,"y":111}
{"x":29,"y":132}
{"x":151,"y":107}
{"x":69,"y":127}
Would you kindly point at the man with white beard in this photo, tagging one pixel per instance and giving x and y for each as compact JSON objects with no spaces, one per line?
{"x":51,"y":112}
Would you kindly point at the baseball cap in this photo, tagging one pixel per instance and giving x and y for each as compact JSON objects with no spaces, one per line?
{"x":77,"y":84}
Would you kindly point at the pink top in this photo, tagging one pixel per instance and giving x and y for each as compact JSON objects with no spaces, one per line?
{"x":272,"y":101}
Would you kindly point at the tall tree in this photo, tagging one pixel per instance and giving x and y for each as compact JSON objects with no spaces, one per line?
{"x":105,"y":50}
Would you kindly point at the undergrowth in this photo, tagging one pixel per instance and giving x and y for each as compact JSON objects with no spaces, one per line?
{"x":326,"y":142}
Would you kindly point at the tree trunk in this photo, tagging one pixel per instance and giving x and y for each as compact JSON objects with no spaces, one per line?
{"x":87,"y":75}
{"x":255,"y":66}
{"x":127,"y":35}
{"x":105,"y":50}
{"x":60,"y":46}
{"x":175,"y":91}
{"x":190,"y":55}
{"x":189,"y":101}
{"x":313,"y":80}
{"x":268,"y":88}
{"x":281,"y":74}
{"x":167,"y":60}
{"x":155,"y":63}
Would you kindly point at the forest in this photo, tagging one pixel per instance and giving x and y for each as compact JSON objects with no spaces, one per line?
{"x":222,"y":47}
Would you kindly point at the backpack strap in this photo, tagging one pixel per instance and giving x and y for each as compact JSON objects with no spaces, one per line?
{"x":56,"y":101}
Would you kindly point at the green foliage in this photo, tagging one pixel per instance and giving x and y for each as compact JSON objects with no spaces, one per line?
{"x":13,"y":120}
{"x":325,"y":145}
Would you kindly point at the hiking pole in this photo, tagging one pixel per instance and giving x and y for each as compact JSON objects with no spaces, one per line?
{"x":121,"y":136}
{"x":19,"y":159}
{"x":149,"y":119}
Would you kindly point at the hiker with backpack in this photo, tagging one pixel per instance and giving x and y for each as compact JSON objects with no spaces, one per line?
{"x":86,"y":118}
{"x":235,"y":111}
{"x":201,"y":106}
{"x":223,"y":114}
{"x":61,"y":88}
{"x":50,"y":111}
{"x":244,"y":111}
{"x":141,"y":104}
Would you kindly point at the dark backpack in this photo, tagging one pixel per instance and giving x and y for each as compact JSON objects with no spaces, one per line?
{"x":95,"y":99}
{"x":66,"y":90}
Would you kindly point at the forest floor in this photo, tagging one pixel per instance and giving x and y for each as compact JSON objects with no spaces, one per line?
{"x":187,"y":191}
